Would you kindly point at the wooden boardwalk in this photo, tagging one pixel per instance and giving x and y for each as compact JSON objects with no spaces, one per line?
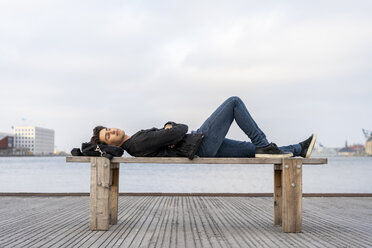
{"x":184,"y":221}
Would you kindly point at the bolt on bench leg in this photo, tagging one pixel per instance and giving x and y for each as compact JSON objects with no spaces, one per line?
{"x":292,"y":195}
{"x":99,"y":193}
{"x":277,"y":194}
{"x":114,"y":193}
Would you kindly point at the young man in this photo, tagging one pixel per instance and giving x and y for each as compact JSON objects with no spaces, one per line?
{"x":208,"y":141}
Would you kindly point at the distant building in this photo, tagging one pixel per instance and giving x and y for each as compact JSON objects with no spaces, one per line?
{"x":353,"y":150}
{"x":346,"y":151}
{"x":368,"y":135}
{"x":321,"y":150}
{"x":359,"y":149}
{"x":39,"y":141}
{"x":369,"y":146}
{"x":6,"y":143}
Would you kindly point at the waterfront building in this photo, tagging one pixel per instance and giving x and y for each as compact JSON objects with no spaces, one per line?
{"x":368,"y":135}
{"x":6,"y":143}
{"x":37,"y":140}
{"x":346,"y":150}
{"x":369,"y":146}
{"x":359,"y":149}
{"x":353,"y":150}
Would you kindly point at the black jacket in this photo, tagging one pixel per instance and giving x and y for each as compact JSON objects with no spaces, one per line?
{"x":98,"y":150}
{"x":156,"y":142}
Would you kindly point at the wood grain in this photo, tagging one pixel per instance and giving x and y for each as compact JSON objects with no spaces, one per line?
{"x":93,"y":195}
{"x":114,"y":196}
{"x":291,"y":195}
{"x":57,"y":222}
{"x":99,"y":194}
{"x":277,"y":195}
{"x":177,"y":160}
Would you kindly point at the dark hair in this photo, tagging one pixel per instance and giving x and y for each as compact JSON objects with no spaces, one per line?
{"x":95,"y":137}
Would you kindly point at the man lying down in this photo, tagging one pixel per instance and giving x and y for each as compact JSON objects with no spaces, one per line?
{"x":209,"y":140}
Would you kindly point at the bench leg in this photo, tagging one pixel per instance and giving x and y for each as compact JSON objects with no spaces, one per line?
{"x":277,"y":194}
{"x":99,"y":193}
{"x":114,"y":193}
{"x":292,"y":195}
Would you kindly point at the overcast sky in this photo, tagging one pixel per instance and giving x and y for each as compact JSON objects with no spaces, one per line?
{"x":300,"y":66}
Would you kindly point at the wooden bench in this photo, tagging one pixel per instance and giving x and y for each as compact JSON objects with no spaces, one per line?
{"x":104,"y":185}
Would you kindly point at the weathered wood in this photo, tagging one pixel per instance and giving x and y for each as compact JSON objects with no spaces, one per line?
{"x":114,"y":195}
{"x":110,"y":195}
{"x":93,"y":195}
{"x":277,"y":195}
{"x":99,"y":194}
{"x":61,"y":222}
{"x":277,"y":166}
{"x":178,"y":160}
{"x":291,"y":195}
{"x":287,"y":185}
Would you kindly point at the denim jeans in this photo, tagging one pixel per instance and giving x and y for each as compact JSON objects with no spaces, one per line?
{"x":218,"y":124}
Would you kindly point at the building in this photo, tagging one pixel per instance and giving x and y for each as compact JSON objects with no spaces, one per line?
{"x":368,"y":135}
{"x":359,"y":149}
{"x":369,"y":146}
{"x":353,"y":150}
{"x":6,"y":143}
{"x":39,"y":141}
{"x":345,"y":151}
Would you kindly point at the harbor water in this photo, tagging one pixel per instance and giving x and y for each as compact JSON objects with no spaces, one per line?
{"x":54,"y":175}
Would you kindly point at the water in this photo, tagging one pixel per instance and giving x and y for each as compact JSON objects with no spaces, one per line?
{"x":53,"y":174}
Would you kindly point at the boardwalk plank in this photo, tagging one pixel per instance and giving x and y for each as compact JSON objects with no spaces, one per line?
{"x":184,"y":221}
{"x":227,"y":234}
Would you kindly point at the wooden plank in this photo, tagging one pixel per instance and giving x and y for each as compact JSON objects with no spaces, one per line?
{"x":178,"y":160}
{"x":114,"y":196}
{"x":291,"y":195}
{"x":99,"y":197}
{"x":242,"y":222}
{"x":110,"y":195}
{"x":277,"y":195}
{"x":78,"y":159}
{"x":93,"y":195}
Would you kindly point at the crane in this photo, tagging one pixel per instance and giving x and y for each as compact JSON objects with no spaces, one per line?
{"x":367,"y":133}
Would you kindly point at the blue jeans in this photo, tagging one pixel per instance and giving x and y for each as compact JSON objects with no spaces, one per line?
{"x":218,"y":124}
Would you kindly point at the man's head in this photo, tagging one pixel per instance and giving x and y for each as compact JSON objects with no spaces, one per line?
{"x":109,"y":136}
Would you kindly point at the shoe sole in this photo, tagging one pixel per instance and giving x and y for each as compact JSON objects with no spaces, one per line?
{"x":311,"y":146}
{"x":287,"y":155}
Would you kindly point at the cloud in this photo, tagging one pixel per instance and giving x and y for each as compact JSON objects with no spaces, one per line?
{"x":299,"y":66}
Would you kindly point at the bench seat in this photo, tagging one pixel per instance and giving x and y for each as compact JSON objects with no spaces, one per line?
{"x":104,"y":185}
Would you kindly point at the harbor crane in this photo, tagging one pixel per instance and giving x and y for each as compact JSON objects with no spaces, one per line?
{"x":367,"y":133}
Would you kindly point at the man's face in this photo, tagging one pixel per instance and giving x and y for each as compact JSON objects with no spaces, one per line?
{"x":112,"y":136}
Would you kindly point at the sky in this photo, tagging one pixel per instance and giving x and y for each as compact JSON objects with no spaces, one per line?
{"x":300,"y":66}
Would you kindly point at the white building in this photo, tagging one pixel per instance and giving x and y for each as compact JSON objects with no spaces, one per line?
{"x":38,"y":140}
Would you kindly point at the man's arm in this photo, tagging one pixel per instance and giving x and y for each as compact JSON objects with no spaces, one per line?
{"x":171,"y":134}
{"x":167,"y":126}
{"x":170,"y":124}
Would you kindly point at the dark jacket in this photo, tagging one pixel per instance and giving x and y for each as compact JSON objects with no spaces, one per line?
{"x":156,"y":142}
{"x":98,"y":150}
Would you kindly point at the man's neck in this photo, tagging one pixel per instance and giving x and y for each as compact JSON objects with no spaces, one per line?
{"x":126,"y":137}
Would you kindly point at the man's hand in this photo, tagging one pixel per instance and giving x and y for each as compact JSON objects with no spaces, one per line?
{"x":168,"y":126}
